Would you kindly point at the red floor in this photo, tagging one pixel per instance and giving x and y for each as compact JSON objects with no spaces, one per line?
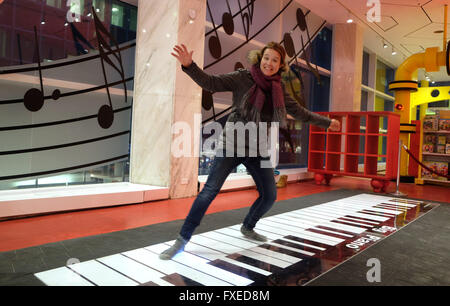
{"x":27,"y":232}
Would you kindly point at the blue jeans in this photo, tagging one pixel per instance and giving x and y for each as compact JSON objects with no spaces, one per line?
{"x":220,"y":169}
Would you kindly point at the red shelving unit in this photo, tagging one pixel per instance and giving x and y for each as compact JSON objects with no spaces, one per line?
{"x":338,"y":153}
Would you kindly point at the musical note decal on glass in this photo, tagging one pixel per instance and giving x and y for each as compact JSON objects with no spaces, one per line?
{"x":238,"y":66}
{"x":247,"y":18}
{"x":247,"y":13}
{"x":214,"y":42}
{"x":227,"y":21}
{"x":34,"y":98}
{"x":301,"y":22}
{"x":215,"y":47}
{"x":290,"y":51}
{"x":106,"y":112}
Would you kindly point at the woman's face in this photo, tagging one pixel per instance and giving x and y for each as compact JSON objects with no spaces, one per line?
{"x":270,"y":62}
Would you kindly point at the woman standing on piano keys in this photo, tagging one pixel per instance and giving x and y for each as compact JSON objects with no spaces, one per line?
{"x":258,"y":96}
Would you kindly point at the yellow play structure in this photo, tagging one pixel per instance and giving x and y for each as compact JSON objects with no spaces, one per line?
{"x":408,"y":95}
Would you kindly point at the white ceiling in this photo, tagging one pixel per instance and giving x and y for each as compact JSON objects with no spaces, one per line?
{"x":407,"y":25}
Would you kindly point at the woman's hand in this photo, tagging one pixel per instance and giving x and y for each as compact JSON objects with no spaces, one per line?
{"x":335,"y":125}
{"x":183,"y":55}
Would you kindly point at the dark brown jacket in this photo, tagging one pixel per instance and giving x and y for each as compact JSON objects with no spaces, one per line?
{"x":239,"y":82}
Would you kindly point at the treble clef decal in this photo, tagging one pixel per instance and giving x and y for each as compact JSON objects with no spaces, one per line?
{"x":106,"y":113}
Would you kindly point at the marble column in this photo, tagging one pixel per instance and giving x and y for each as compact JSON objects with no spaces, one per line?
{"x":346,"y":67}
{"x":164,"y":96}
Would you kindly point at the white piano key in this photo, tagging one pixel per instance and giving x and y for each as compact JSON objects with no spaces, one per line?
{"x":200,"y":264}
{"x":327,"y":215}
{"x":368,"y":199}
{"x":269,"y":235}
{"x":392,"y":207}
{"x":295,"y":230}
{"x":359,"y":220}
{"x":384,"y":211}
{"x":302,"y":218}
{"x":291,"y":219}
{"x":215,"y":245}
{"x":246,"y":266}
{"x":369,"y":207}
{"x":152,"y":260}
{"x":304,"y":244}
{"x":297,"y":233}
{"x":276,"y":254}
{"x":62,"y":276}
{"x":409,"y":205}
{"x":101,"y":275}
{"x":203,"y":251}
{"x":355,"y":223}
{"x":291,"y":248}
{"x":264,"y":258}
{"x":351,"y":213}
{"x":275,"y":236}
{"x":134,"y":270}
{"x":231,"y":240}
{"x":235,"y":234}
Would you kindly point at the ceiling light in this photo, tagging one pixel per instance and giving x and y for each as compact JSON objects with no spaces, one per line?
{"x":384,"y":45}
{"x":393,"y":51}
{"x":349,"y":17}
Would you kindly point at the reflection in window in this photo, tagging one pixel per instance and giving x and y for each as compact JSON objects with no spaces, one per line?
{"x":76,"y":6}
{"x":384,"y":76}
{"x":55,"y":3}
{"x":365,"y":69}
{"x":59,"y":37}
{"x":3,"y":43}
{"x":117,"y":15}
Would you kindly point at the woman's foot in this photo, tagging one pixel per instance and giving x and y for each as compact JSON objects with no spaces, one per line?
{"x":176,"y":248}
{"x":252,"y":234}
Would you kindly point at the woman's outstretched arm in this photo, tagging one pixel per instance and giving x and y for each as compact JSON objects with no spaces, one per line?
{"x":212,"y":83}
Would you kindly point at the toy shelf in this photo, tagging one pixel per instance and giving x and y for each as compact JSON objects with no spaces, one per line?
{"x":359,"y":141}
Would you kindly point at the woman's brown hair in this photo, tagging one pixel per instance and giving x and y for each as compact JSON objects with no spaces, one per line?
{"x":255,"y":56}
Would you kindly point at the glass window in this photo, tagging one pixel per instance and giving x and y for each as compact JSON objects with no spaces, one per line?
{"x":364,"y":100}
{"x":321,"y":48}
{"x":99,"y":6}
{"x":3,"y":43}
{"x":54,"y":3}
{"x":365,"y":69}
{"x":77,"y":7}
{"x":117,"y":13}
{"x":385,"y":75}
{"x":133,"y":20}
{"x":32,"y":156}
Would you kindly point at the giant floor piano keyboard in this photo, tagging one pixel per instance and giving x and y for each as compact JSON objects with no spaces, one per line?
{"x":302,"y":244}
